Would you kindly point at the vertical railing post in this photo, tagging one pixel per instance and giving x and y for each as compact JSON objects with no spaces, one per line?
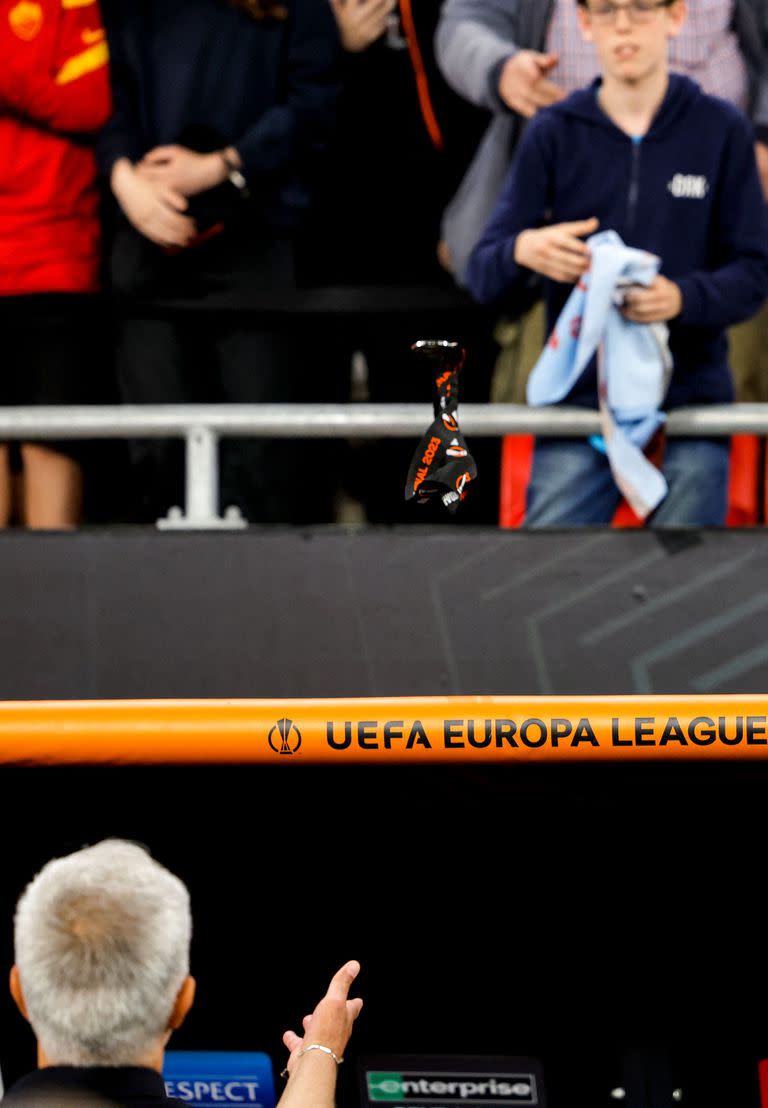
{"x":202,"y":477}
{"x":202,"y":487}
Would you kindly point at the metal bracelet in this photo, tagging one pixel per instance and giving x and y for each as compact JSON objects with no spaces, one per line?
{"x":319,"y":1046}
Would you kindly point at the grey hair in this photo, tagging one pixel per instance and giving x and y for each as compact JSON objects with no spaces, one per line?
{"x":102,"y":947}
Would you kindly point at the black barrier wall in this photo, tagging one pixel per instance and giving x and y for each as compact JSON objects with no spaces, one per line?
{"x":564,"y":912}
{"x":414,"y":612}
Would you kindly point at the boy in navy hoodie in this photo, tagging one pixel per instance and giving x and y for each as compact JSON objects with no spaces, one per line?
{"x":646,"y":154}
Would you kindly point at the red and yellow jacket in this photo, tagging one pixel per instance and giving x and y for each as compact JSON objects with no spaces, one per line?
{"x":54,"y":93}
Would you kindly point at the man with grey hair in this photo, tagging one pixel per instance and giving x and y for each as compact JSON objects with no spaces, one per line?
{"x":102,"y":975}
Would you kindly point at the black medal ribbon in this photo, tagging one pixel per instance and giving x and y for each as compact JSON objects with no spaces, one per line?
{"x":442,"y":465}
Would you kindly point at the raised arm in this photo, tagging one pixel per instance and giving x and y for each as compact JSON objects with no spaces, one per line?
{"x":472,"y":39}
{"x":489,"y":52}
{"x":315,"y":1055}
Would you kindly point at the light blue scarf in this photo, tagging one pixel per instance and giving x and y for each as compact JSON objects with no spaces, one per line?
{"x":634,"y":365}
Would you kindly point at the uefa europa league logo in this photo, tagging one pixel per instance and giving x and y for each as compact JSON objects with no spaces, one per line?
{"x":285,"y":737}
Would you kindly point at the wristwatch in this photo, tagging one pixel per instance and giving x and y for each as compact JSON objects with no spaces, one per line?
{"x":234,"y":176}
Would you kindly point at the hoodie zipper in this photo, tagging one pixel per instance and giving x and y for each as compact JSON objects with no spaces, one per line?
{"x":634,"y":181}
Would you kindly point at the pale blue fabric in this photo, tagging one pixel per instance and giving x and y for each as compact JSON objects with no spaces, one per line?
{"x":635,"y":364}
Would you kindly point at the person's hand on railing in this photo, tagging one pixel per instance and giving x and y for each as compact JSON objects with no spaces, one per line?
{"x":156,"y":210}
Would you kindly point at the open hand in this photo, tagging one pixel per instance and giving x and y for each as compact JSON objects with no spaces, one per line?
{"x":556,"y":252}
{"x":523,"y":84}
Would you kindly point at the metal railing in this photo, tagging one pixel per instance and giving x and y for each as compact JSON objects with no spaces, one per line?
{"x":202,"y":425}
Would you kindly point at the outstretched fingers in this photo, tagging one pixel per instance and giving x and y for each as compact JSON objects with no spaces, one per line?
{"x":580,"y":227}
{"x":341,"y":982}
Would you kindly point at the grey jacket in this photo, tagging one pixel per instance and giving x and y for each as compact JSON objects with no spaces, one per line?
{"x":474,"y":37}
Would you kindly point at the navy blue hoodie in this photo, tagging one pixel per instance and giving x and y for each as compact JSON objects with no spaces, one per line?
{"x":687,"y":191}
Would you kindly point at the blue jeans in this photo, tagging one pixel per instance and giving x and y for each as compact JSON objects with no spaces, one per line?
{"x":571,"y":484}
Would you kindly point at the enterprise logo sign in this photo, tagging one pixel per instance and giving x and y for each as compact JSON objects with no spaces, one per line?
{"x":211,"y":1079}
{"x":451,"y":1081}
{"x":452,"y":1088}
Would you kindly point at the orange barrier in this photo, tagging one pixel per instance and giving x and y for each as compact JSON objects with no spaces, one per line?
{"x":407,"y":730}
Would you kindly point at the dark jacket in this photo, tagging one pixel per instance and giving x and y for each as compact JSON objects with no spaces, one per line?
{"x":83,"y":1086}
{"x":382,"y":188}
{"x":688,"y":191}
{"x":267,"y":88}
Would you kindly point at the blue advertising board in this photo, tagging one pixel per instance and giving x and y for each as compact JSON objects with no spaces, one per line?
{"x":211,"y":1078}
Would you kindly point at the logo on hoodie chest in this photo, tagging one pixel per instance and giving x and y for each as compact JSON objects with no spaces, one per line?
{"x":688,"y":186}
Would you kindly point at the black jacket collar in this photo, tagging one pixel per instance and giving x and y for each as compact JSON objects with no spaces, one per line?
{"x":130,"y":1085}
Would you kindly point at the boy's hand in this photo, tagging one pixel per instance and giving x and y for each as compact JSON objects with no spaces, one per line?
{"x":523,"y":84}
{"x":556,"y":252}
{"x":657,"y":303}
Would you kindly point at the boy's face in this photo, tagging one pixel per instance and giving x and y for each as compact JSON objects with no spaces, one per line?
{"x":631,"y":36}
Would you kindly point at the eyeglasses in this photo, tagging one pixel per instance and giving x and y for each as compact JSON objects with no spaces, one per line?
{"x":639,"y":11}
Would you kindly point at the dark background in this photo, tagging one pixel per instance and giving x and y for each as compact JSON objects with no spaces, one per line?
{"x":569,"y":912}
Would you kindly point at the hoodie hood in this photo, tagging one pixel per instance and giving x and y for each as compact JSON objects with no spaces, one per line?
{"x":681,"y":95}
